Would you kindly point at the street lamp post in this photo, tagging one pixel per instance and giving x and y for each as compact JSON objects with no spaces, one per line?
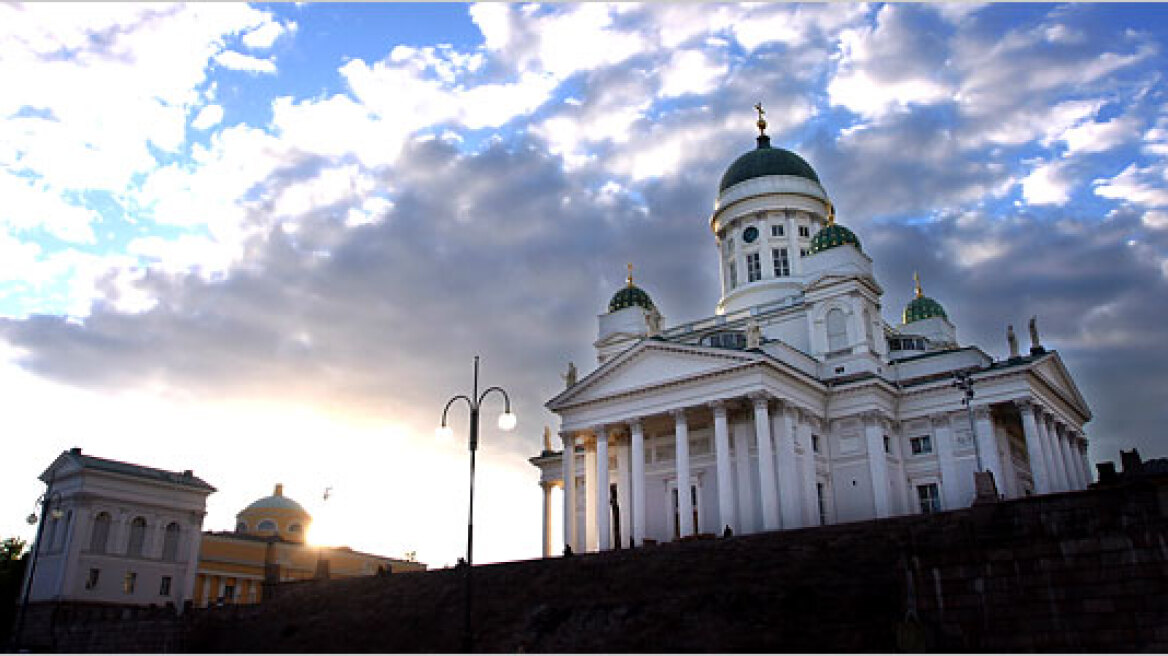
{"x":964,"y":382}
{"x":507,"y":422}
{"x":49,"y":498}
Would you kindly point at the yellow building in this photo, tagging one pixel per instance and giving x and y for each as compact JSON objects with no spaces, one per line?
{"x":268,"y":547}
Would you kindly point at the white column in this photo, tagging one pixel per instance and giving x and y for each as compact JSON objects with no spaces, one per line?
{"x":1047,"y":449}
{"x":1034,"y":446}
{"x":684,"y":502}
{"x":987,"y":444}
{"x":603,"y":508}
{"x":1060,"y":465}
{"x":569,"y":462}
{"x":1085,"y":460}
{"x":1077,"y":458}
{"x":547,"y":518}
{"x":768,"y":496}
{"x":807,"y":470}
{"x":590,"y":497}
{"x":788,"y":473}
{"x":877,"y":463}
{"x":943,"y":441}
{"x":638,"y":482}
{"x":725,"y":477}
{"x":1068,"y":457}
{"x":622,"y":494}
{"x":746,"y":523}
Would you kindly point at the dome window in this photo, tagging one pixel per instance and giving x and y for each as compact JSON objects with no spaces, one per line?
{"x":750,"y":234}
{"x":295,"y":528}
{"x":266,"y":525}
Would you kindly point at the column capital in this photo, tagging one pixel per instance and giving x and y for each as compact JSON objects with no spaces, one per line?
{"x":939,"y":419}
{"x":981,"y":412}
{"x":718,"y":406}
{"x":634,"y":423}
{"x":871,"y":417}
{"x":1027,"y":404}
{"x":569,"y":439}
{"x":759,"y":399}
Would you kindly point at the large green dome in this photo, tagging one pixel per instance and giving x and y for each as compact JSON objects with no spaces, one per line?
{"x":764,"y":161}
{"x":832,"y":235}
{"x":629,"y":296}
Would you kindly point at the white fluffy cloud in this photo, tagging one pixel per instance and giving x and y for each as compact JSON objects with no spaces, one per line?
{"x":1047,"y":184}
{"x":238,"y":61}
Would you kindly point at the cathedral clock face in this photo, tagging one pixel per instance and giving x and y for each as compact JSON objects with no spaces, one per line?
{"x":750,"y":234}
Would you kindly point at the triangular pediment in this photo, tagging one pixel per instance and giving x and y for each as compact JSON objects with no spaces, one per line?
{"x":649,"y":364}
{"x":1052,"y":371}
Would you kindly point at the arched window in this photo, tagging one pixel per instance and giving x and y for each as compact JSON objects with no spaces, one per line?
{"x":295,"y":528}
{"x":101,"y":526}
{"x":837,"y":330}
{"x":241,"y":527}
{"x":266,"y":525}
{"x":137,"y":537}
{"x":170,"y":541}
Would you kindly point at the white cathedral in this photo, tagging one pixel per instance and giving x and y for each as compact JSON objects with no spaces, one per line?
{"x":796,"y":404}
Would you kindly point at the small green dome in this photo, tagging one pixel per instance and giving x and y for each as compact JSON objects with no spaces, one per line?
{"x":628,"y":297}
{"x":764,"y":161}
{"x":832,"y":235}
{"x":921,"y":308}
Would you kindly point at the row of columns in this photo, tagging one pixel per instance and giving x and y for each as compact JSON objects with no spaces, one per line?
{"x":1057,"y":453}
{"x":782,"y":503}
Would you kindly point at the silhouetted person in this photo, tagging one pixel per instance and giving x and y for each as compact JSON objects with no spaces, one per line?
{"x":727,"y":532}
{"x":567,"y":550}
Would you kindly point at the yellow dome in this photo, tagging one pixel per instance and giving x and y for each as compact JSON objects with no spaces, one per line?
{"x":274,"y":515}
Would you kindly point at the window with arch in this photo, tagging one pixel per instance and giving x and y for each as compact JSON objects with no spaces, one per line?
{"x":100,"y":536}
{"x":170,"y":541}
{"x":137,"y":537}
{"x":837,"y":330}
{"x":294,"y":528}
{"x":266,"y":525}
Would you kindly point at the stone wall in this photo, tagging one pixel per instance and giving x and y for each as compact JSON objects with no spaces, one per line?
{"x":1081,"y":571}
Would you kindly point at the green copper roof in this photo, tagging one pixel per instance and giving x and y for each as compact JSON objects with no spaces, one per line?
{"x":629,"y":296}
{"x":833,"y":235}
{"x":921,"y":308}
{"x":764,"y":161}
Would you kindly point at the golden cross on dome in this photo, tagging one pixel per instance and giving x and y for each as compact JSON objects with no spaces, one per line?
{"x":630,"y":278}
{"x":917,"y":280}
{"x":761,"y":121}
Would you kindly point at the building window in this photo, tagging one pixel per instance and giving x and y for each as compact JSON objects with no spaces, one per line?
{"x":920,"y":446}
{"x":777,"y":230}
{"x":229,"y":593}
{"x":101,"y":527}
{"x":887,"y":445}
{"x":266,"y":525}
{"x":753,"y":268}
{"x":837,"y":330}
{"x":241,"y":527}
{"x":129,"y":582}
{"x":803,"y":252}
{"x":92,"y":578}
{"x":164,"y":587}
{"x":820,"y":495}
{"x":733,"y":275}
{"x":929,"y":497}
{"x":693,"y":495}
{"x":815,"y":443}
{"x":294,"y":528}
{"x":170,"y":542}
{"x":782,"y":263}
{"x":804,"y":231}
{"x":137,"y":537}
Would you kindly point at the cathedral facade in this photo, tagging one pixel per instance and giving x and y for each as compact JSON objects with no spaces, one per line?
{"x":796,"y":404}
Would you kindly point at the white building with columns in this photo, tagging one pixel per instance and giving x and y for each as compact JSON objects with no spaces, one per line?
{"x":118,"y":533}
{"x":796,"y":404}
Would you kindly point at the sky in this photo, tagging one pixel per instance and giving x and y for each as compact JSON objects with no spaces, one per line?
{"x":265,"y":242}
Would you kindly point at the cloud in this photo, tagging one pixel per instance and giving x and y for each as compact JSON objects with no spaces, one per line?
{"x":238,"y":61}
{"x":1135,"y":184}
{"x":208,"y":117}
{"x":264,"y":36}
{"x":1047,"y":184}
